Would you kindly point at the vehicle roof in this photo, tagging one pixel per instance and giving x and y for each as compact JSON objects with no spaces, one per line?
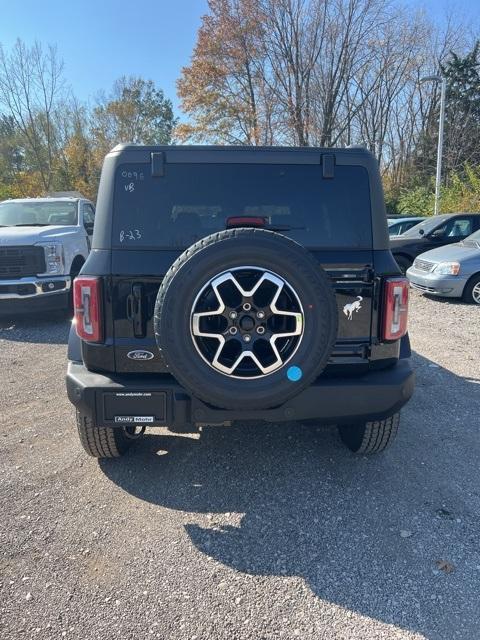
{"x":238,"y":147}
{"x":46,"y":199}
{"x":403,"y":218}
{"x":439,"y":217}
{"x":445,"y":216}
{"x":242,"y":154}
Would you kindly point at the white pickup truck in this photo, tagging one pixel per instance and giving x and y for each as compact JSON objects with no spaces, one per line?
{"x":43,"y":245}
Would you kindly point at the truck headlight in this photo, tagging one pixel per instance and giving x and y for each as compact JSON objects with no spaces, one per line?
{"x":54,"y":257}
{"x":448,"y":268}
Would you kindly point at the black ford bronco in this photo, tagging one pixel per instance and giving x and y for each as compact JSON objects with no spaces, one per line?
{"x":230,"y":284}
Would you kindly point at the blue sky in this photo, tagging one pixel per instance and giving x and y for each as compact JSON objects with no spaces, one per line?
{"x":104,"y":39}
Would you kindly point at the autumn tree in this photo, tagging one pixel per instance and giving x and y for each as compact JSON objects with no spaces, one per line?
{"x":136,"y":111}
{"x":224,"y":88}
{"x":295,"y":71}
{"x":50,"y":141}
{"x":264,"y":72}
{"x":77,"y":166}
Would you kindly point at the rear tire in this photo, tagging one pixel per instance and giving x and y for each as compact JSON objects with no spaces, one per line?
{"x":103,"y":442}
{"x":370,"y":437}
{"x":471,"y":293}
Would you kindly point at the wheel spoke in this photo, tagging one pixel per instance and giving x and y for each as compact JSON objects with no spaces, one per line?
{"x":196,"y":317}
{"x":476,"y":293}
{"x":246,"y":354}
{"x":280,"y":312}
{"x":249,"y":293}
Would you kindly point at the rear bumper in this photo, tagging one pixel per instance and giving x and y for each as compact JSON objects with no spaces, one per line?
{"x":437,"y":285}
{"x":160,"y":400}
{"x":30,"y":295}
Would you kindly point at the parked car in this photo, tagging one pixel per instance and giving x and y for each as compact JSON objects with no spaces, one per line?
{"x":43,"y":244}
{"x":231,"y":284}
{"x":452,"y":271}
{"x":433,"y":232}
{"x":397,"y":226}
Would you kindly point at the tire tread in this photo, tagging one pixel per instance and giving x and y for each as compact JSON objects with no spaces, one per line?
{"x":377,"y":435}
{"x":100,"y":442}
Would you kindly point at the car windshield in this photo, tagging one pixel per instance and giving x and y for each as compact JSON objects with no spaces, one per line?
{"x":392,"y":221}
{"x":474,"y":238}
{"x":427,"y":225}
{"x":15,"y":214}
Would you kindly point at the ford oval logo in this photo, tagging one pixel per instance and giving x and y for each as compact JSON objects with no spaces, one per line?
{"x":139,"y":354}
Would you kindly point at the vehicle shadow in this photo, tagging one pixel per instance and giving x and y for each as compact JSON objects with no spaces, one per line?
{"x":446,"y":300}
{"x":393,"y":537}
{"x":41,"y":328}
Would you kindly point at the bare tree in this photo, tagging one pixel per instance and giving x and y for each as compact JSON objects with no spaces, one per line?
{"x":351,"y":26}
{"x":293,"y":39}
{"x":393,"y":52}
{"x":31,"y":85}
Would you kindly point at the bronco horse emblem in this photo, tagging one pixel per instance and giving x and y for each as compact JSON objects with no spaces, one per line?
{"x":348,"y":309}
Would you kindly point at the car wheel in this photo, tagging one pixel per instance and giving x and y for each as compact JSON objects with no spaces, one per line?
{"x":105,"y":442}
{"x":370,"y":437}
{"x":246,"y":318}
{"x":471,"y":293}
{"x":404,"y":263}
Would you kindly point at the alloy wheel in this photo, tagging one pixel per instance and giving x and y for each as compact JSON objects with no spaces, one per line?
{"x":476,"y":293}
{"x":247,"y":322}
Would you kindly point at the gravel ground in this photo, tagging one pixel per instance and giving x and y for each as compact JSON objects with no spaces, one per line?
{"x":247,"y":532}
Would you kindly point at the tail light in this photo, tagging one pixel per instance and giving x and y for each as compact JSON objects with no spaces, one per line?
{"x":395,"y":310}
{"x":87,"y":304}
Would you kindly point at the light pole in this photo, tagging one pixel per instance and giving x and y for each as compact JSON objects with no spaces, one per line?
{"x":443,"y":91}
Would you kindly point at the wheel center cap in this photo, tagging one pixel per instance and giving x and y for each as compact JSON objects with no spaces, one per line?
{"x":247,"y":323}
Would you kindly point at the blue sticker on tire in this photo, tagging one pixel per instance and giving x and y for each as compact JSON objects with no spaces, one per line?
{"x":294,"y":374}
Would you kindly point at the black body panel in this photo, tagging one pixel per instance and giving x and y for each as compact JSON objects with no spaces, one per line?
{"x":358,"y":344}
{"x":364,"y":378}
{"x":373,"y":396}
{"x":132,"y":276}
{"x":134,"y":331}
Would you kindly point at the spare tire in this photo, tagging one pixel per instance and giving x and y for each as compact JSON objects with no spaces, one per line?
{"x":246,"y":319}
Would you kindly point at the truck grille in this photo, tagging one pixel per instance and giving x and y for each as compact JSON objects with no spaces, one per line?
{"x":423,"y":265}
{"x":17,"y":262}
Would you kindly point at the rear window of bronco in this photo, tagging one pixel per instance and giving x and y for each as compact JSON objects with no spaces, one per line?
{"x":193,"y":200}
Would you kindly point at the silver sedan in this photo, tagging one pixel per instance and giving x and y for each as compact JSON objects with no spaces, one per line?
{"x":452,"y":271}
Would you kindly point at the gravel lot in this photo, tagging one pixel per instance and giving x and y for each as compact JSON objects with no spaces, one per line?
{"x":246,"y":532}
